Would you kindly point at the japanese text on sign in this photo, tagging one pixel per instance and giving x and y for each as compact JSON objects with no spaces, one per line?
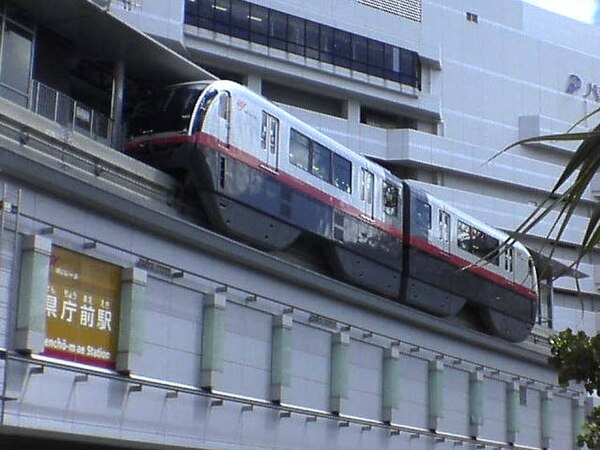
{"x":82,"y":308}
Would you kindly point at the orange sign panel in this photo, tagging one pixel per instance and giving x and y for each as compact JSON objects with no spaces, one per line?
{"x":82,"y":309}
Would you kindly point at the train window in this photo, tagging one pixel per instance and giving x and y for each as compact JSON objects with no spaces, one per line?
{"x":390,"y":199}
{"x":263,"y":131}
{"x":478,"y":243}
{"x":273,"y":135}
{"x":444,"y":226}
{"x":342,"y":173}
{"x":423,"y":214}
{"x":321,"y":162}
{"x":368,"y":181}
{"x":508,"y":259}
{"x":224,"y":106}
{"x":299,"y":150}
{"x":464,"y":236}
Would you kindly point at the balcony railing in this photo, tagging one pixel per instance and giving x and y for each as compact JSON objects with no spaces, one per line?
{"x":70,"y":113}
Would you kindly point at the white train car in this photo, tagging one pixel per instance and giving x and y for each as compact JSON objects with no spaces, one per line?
{"x":265,"y":177}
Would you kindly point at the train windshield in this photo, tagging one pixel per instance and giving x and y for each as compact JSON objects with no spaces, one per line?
{"x":170,"y":109}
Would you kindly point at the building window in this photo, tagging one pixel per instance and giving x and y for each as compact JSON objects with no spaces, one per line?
{"x":303,"y":37}
{"x":16,"y":56}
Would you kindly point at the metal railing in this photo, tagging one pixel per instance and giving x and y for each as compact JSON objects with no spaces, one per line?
{"x":60,"y":108}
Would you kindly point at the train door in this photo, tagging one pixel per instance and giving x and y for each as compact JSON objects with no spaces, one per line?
{"x":224,"y":127}
{"x":270,"y":140}
{"x":444,"y":230}
{"x":367,"y":194}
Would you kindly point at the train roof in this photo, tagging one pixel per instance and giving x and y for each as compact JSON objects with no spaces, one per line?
{"x":354,"y":156}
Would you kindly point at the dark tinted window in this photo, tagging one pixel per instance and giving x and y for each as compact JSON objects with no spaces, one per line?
{"x":422,"y":214}
{"x":390,"y":199}
{"x":478,"y":243}
{"x":311,"y":38}
{"x":359,"y":53}
{"x":326,"y":44}
{"x":321,"y":162}
{"x":206,"y":14}
{"x":240,"y":14}
{"x":259,"y":24}
{"x":17,"y":47}
{"x":342,"y":48}
{"x":342,"y":173}
{"x":168,"y":110}
{"x":299,"y":150}
{"x":295,"y":33}
{"x":277,"y":29}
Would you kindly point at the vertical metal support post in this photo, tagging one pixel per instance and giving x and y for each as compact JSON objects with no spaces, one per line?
{"x":33,"y":290}
{"x":547,"y":419}
{"x":577,"y":419}
{"x":436,"y":394}
{"x":475,"y":403}
{"x":281,"y":357}
{"x":512,"y":412}
{"x":118,"y":103}
{"x":213,"y":337}
{"x":390,"y":389}
{"x":131,"y":323}
{"x":340,"y":345}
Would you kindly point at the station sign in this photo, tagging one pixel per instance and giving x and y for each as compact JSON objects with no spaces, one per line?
{"x":82,"y":309}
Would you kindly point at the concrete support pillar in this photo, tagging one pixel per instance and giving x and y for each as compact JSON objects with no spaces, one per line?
{"x":33,"y":291}
{"x":131,"y":321}
{"x":475,"y":403}
{"x":340,"y":345}
{"x":254,"y":83}
{"x":547,"y":419}
{"x":577,"y":419}
{"x":118,"y":103}
{"x":512,"y":412}
{"x":281,"y":357}
{"x":213,"y":337}
{"x":436,"y":394}
{"x":390,"y":390}
{"x":353,"y":115}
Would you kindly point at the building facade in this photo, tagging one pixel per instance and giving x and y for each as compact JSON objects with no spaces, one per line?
{"x":125,"y":324}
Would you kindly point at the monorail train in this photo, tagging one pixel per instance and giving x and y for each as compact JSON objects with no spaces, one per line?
{"x":265,"y":177}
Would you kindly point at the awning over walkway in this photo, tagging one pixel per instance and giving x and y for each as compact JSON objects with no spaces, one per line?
{"x":112,"y":39}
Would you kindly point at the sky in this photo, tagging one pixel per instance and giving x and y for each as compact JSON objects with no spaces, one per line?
{"x":584,"y":10}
